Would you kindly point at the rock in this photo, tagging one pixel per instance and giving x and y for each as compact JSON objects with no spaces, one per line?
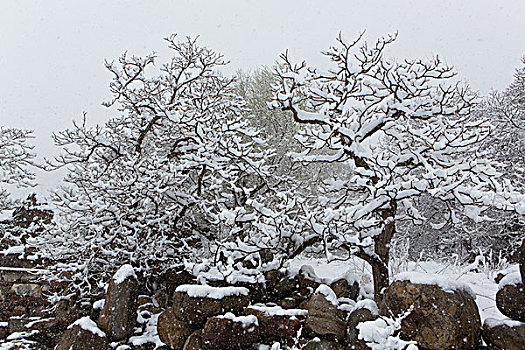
{"x":343,"y":289}
{"x":83,"y":335}
{"x":352,"y":335}
{"x":18,"y":323}
{"x":166,"y":283}
{"x":275,"y":321}
{"x":439,"y":319}
{"x":506,"y":335}
{"x":257,"y":291}
{"x":510,"y":300}
{"x":24,"y":344}
{"x":308,"y":283}
{"x":279,"y":285}
{"x":4,"y":332}
{"x":49,"y":332}
{"x":288,"y":303}
{"x":229,"y":332}
{"x":194,"y":304}
{"x":323,"y":344}
{"x":172,"y":331}
{"x":17,"y":305}
{"x":69,"y":310}
{"x":324,"y":318}
{"x":119,"y":315}
{"x":194,"y":341}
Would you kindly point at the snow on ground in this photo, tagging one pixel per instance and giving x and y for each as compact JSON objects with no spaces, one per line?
{"x":481,"y":283}
{"x":197,"y":291}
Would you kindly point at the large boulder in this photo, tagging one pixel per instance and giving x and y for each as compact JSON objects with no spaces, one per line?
{"x":439,"y":317}
{"x":510,"y":297}
{"x":506,"y":334}
{"x":172,"y":331}
{"x":119,"y":315}
{"x":194,"y":341}
{"x":324,"y":317}
{"x":275,"y":321}
{"x":194,"y":304}
{"x":230,"y":332}
{"x":48,"y":331}
{"x":352,"y":335}
{"x":83,"y":335}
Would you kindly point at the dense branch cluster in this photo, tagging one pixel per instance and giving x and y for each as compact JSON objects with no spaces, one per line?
{"x":182,"y":173}
{"x":16,"y":155}
{"x":152,"y":186}
{"x":405,"y":128}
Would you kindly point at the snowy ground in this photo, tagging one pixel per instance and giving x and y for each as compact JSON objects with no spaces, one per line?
{"x":479,"y":278}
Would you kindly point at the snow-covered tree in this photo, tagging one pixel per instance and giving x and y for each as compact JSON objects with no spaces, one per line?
{"x":167,"y":176}
{"x":16,"y":156}
{"x":405,"y":128}
{"x":256,"y":88}
{"x":505,"y":148}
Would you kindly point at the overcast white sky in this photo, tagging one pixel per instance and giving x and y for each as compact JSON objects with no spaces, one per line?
{"x":52,"y":52}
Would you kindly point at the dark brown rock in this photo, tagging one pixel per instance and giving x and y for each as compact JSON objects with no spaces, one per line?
{"x":4,"y":332}
{"x":229,"y":333}
{"x":118,"y":318}
{"x":343,"y":289}
{"x":503,"y":336}
{"x":308,"y":283}
{"x":439,"y":319}
{"x":323,"y":344}
{"x":166,"y":283}
{"x":197,"y":310}
{"x":26,"y":344}
{"x":49,"y":332}
{"x":194,"y":341}
{"x":279,"y":285}
{"x":67,"y":311}
{"x":78,"y":338}
{"x":511,"y":300}
{"x":172,"y":331}
{"x":352,"y":335}
{"x":277,"y":322}
{"x":17,"y":305}
{"x":324,"y":318}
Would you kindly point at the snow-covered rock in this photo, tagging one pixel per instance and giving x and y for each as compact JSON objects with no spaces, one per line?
{"x":276,"y":321}
{"x":83,"y":334}
{"x":118,"y":317}
{"x":194,"y":304}
{"x":504,"y":334}
{"x":230,"y":332}
{"x":324,"y":317}
{"x":435,"y":317}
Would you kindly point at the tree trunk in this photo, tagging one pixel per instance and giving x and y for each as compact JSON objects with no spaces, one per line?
{"x":382,"y":249}
{"x":521,"y":260}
